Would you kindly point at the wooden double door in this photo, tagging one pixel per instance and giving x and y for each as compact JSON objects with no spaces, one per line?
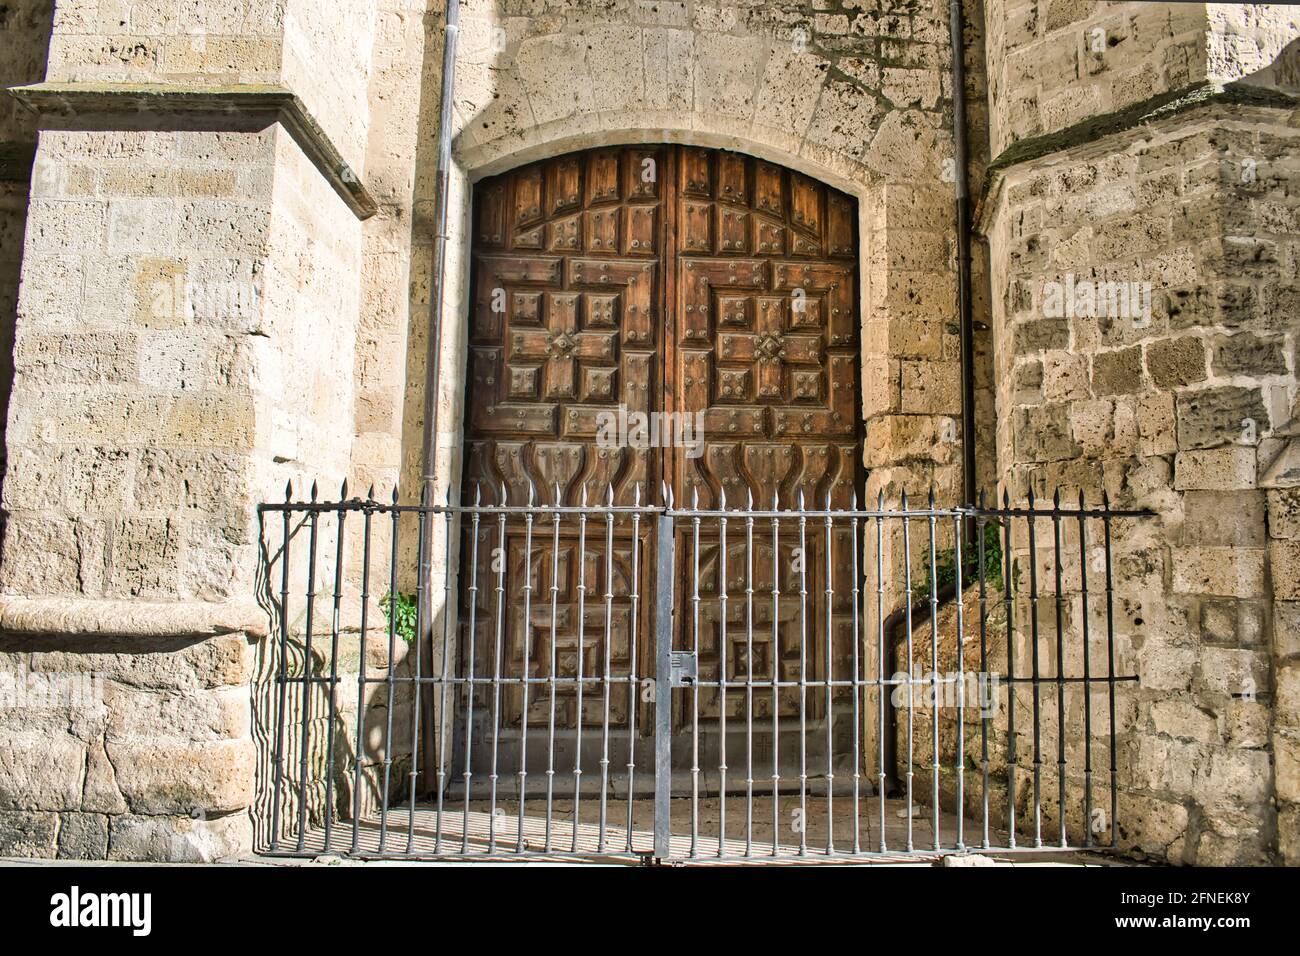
{"x":631,"y":281}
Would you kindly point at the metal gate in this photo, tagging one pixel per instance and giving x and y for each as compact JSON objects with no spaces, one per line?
{"x":962,"y":694}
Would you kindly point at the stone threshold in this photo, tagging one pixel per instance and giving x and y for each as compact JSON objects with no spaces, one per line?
{"x":1143,"y":113}
{"x":220,"y":106}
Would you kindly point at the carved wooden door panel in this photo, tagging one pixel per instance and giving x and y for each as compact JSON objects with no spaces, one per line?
{"x":567,"y":322}
{"x":765,"y":343}
{"x":657,"y":279}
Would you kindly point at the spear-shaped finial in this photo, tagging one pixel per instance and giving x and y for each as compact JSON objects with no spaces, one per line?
{"x":722,"y":497}
{"x":288,"y":490}
{"x":313,"y":491}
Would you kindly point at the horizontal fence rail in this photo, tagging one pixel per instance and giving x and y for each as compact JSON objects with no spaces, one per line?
{"x":646,"y":680}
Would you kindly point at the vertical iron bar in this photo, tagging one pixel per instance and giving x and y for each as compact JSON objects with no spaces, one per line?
{"x":334,"y":668}
{"x":283,"y":694}
{"x":958,"y":539}
{"x":582,"y":611}
{"x":441,"y":724}
{"x":663,"y":681}
{"x":471,"y":665}
{"x":551,"y":685}
{"x":609,"y":625}
{"x":367,"y":514}
{"x":830,"y":714}
{"x":775,"y":655}
{"x":934,"y":679}
{"x":1110,"y":667}
{"x":632,"y":677}
{"x":498,"y":651}
{"x":857,"y":687}
{"x":722,"y":675}
{"x":880,"y":662}
{"x":695,"y":684}
{"x":392,"y":654}
{"x":803,"y":678}
{"x":1060,"y":665}
{"x":422,"y":603}
{"x":1033,"y":633}
{"x":911,"y":667}
{"x":1087,"y":675}
{"x":980,"y":526}
{"x":526,"y":642}
{"x":1012,"y":749}
{"x":306,"y":673}
{"x":749,"y":673}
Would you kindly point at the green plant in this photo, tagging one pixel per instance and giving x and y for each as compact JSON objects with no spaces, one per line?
{"x":945,"y":565}
{"x":400,"y":610}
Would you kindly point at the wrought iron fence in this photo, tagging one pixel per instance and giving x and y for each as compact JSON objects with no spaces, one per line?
{"x":646,"y":681}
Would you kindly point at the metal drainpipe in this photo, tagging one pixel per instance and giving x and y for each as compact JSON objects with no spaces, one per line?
{"x":424,"y":610}
{"x":896,"y":622}
{"x":963,"y":225}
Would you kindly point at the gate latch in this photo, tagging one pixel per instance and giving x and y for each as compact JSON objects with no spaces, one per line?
{"x":684,"y":668}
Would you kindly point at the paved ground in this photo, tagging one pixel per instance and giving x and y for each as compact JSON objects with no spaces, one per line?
{"x":465,"y":837}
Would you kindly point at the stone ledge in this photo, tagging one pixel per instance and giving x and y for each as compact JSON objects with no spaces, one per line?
{"x":122,"y":618}
{"x":1094,"y":128}
{"x":232,"y":104}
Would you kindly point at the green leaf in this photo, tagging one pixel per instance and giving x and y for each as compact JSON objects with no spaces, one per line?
{"x":400,"y":611}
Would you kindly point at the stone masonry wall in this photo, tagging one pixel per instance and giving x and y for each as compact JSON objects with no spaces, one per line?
{"x":1180,"y":407}
{"x":186,"y":332}
{"x":24,"y":40}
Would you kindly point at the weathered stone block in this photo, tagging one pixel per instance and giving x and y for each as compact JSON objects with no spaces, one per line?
{"x":180,"y":839}
{"x":1174,"y":362}
{"x":1224,"y":518}
{"x":1227,"y":572}
{"x":27,"y":833}
{"x":83,"y":836}
{"x":1118,"y":372}
{"x":1183,"y":719}
{"x":1220,"y":469}
{"x":1248,"y":354}
{"x":1284,"y":557}
{"x":1234,"y":672}
{"x":1212,"y":417}
{"x":1043,"y":433}
{"x":161,"y":776}
{"x":41,"y":771}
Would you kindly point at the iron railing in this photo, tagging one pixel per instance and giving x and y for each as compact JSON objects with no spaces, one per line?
{"x":648,"y":681}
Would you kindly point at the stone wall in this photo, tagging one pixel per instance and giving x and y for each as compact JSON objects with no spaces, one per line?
{"x":24,"y":41}
{"x":1177,"y":402}
{"x":185,"y":345}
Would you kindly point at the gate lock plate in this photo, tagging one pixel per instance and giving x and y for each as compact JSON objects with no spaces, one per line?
{"x":684,"y":669}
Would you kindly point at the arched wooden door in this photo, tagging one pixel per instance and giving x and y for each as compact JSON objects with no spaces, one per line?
{"x":647,"y":279}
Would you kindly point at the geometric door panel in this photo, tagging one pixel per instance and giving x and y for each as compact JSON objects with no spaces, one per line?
{"x":649,"y":279}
